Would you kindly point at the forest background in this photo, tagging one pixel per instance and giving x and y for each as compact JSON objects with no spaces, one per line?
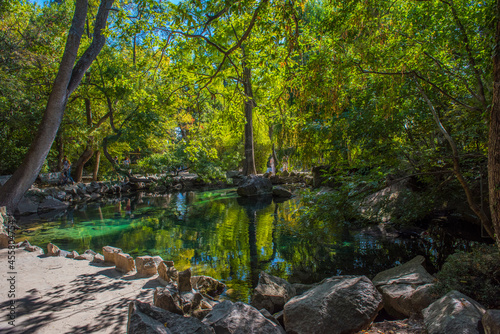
{"x":371,"y":89}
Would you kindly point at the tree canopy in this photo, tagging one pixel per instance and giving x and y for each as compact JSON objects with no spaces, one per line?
{"x":404,"y":88}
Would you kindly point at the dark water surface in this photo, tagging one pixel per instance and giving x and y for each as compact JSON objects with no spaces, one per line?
{"x":231,"y":238}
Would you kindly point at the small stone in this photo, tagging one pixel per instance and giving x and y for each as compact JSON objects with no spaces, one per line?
{"x":98,"y":258}
{"x":169,"y":264}
{"x":124,"y":262}
{"x":72,"y":255}
{"x":109,"y":253}
{"x":184,"y":281}
{"x":53,"y":250}
{"x":4,"y":240}
{"x":146,"y":266}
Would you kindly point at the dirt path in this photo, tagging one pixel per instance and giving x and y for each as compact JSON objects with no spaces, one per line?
{"x":59,"y":295}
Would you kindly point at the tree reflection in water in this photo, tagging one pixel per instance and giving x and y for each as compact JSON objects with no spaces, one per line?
{"x":231,"y":239}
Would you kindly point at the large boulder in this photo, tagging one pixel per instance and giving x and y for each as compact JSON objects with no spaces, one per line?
{"x":272,"y":293}
{"x":144,"y":318}
{"x":406,"y":289}
{"x":50,"y":203}
{"x":281,"y":192}
{"x":27,"y":206}
{"x":255,"y":186}
{"x":491,"y":322}
{"x":453,"y":313}
{"x":146,"y":266}
{"x":228,"y":318}
{"x":341,"y":304}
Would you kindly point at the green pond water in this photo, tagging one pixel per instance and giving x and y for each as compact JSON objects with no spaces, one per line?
{"x":229,"y":238}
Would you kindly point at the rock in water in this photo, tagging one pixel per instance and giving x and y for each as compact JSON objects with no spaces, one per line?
{"x":254,"y":186}
{"x":341,"y":304}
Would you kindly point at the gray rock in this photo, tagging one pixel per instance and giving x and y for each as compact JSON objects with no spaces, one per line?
{"x":49,"y":204}
{"x":255,"y":186}
{"x":453,"y":313}
{"x":281,"y":192}
{"x":168,"y":299}
{"x":406,"y":289}
{"x":184,"y":281}
{"x":272,"y":293}
{"x":491,"y":322}
{"x":228,"y":318}
{"x":27,"y":206}
{"x":341,"y":304}
{"x":144,"y":318}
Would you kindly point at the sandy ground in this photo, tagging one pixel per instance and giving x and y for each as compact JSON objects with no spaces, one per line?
{"x":58,"y":295}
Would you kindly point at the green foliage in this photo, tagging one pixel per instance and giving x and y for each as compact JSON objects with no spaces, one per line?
{"x":475,"y":274}
{"x":339,"y":205}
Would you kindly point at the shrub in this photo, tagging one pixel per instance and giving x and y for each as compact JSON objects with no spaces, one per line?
{"x":475,"y":274}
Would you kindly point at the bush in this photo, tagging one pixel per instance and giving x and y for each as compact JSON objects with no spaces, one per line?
{"x":475,"y":274}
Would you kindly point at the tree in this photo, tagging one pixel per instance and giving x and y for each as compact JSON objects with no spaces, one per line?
{"x":494,"y":134}
{"x":67,"y":80}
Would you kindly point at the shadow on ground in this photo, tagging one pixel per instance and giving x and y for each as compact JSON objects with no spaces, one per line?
{"x":35,"y":311}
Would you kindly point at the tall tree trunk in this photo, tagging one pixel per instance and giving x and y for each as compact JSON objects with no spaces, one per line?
{"x":494,"y":136}
{"x":96,"y":165}
{"x":60,"y":150}
{"x":82,"y":160}
{"x":67,"y":80}
{"x":249,"y":163}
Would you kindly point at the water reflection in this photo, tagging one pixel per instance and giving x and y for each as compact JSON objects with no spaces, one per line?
{"x":229,"y":238}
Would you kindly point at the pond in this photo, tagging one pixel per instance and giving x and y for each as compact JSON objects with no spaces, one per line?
{"x":230,"y":238}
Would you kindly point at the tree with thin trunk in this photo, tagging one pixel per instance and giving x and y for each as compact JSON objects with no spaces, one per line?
{"x":494,"y":135}
{"x":67,"y":80}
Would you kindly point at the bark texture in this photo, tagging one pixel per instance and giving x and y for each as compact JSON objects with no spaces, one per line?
{"x":494,"y":136}
{"x":249,"y":162}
